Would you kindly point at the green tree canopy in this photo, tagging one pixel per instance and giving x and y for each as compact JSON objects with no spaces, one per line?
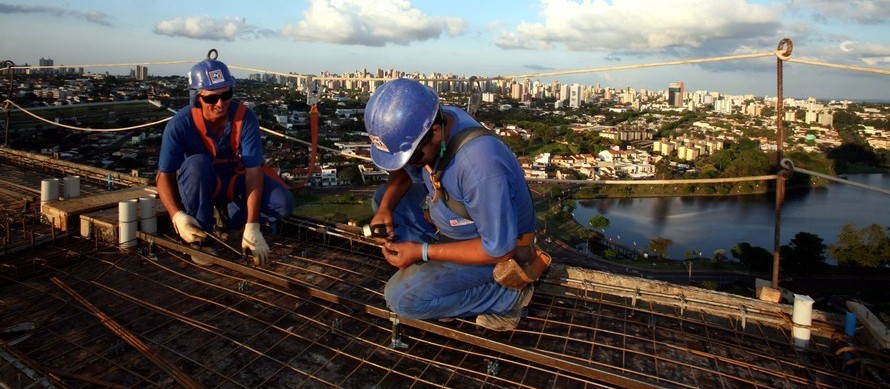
{"x":851,"y":153}
{"x":756,"y":258}
{"x":599,"y":222}
{"x":804,"y":254}
{"x":868,"y":247}
{"x":660,"y":245}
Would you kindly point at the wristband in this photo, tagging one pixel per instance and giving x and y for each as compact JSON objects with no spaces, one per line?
{"x":425,"y":251}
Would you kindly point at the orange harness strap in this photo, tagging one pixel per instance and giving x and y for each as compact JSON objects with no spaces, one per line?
{"x":234,"y":141}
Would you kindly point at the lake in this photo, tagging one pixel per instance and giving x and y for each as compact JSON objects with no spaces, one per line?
{"x":705,"y":224}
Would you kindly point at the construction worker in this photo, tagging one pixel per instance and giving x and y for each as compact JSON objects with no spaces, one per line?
{"x":211,"y":172}
{"x":445,"y":260}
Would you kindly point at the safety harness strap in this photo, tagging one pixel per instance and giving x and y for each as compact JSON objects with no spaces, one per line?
{"x":454,"y":145}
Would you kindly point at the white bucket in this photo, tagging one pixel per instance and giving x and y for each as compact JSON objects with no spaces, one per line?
{"x":127,"y":223}
{"x":802,"y":318}
{"x":49,"y":190}
{"x":71,"y":187}
{"x":148,"y":221}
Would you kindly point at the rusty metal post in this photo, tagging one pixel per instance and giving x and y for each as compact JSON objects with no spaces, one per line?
{"x":9,"y":64}
{"x":783,"y":53}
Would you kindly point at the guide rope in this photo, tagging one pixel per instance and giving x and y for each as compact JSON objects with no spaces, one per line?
{"x":8,"y":102}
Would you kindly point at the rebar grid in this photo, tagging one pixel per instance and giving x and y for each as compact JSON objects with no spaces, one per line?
{"x":735,"y":355}
{"x":197,"y":301}
{"x":228,"y":330}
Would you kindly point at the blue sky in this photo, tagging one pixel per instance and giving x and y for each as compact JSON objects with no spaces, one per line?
{"x":474,"y":38}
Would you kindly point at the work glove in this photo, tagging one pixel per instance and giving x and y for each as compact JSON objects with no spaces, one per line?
{"x":253,"y":240}
{"x":188,"y":228}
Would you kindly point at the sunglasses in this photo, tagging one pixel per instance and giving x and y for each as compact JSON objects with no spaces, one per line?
{"x":418,"y":152}
{"x":213,"y":99}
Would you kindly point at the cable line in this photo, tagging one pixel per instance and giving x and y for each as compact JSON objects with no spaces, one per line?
{"x":638,"y":66}
{"x":658,"y":182}
{"x":100,"y":65}
{"x":341,"y":152}
{"x":844,"y":67}
{"x":7,"y":103}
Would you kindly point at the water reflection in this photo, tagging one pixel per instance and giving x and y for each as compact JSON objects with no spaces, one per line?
{"x":706,"y":224}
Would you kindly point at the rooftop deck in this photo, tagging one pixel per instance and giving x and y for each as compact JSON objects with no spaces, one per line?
{"x":77,"y":312}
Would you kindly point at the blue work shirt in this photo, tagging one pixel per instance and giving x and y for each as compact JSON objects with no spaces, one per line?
{"x":181,"y":139}
{"x":486,"y":177}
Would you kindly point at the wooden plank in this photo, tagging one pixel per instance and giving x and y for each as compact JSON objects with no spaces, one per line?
{"x":23,"y":158}
{"x":103,"y":225}
{"x":872,"y":323}
{"x":18,"y":195}
{"x":63,"y":214}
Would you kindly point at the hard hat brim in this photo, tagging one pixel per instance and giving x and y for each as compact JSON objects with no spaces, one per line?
{"x":390,"y":161}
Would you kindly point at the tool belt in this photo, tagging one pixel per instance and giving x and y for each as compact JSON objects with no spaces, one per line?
{"x":526,"y":266}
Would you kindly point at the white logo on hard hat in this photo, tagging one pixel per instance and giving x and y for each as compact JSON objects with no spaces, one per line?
{"x":460,"y":222}
{"x":378,"y":143}
{"x":216,"y":76}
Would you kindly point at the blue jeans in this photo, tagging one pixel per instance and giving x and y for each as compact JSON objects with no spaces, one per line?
{"x":198,"y":180}
{"x":438,"y":289}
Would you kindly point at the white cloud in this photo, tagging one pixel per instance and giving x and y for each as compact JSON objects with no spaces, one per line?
{"x":91,"y":16}
{"x":204,"y":27}
{"x":644,"y":25}
{"x":369,"y":23}
{"x":859,"y":11}
{"x":870,"y":54}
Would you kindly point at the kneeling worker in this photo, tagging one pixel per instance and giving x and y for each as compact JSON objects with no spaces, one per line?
{"x":212,"y":160}
{"x":446,"y":256}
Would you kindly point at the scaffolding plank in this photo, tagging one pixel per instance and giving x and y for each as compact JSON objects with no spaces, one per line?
{"x":64,"y":214}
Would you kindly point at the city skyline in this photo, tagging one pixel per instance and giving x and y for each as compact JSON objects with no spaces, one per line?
{"x":477,"y":39}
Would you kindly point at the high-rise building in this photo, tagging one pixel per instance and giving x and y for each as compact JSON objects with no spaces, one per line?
{"x":676,"y":94}
{"x":575,"y":96}
{"x":46,"y":62}
{"x":516,"y":91}
{"x":141,"y":72}
{"x":563,"y":92}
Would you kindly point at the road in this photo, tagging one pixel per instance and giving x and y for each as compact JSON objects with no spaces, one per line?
{"x":565,"y":254}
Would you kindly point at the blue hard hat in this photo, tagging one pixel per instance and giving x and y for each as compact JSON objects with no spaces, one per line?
{"x":210,"y":74}
{"x":398,"y":115}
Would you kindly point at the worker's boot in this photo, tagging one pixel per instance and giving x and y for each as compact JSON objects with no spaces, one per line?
{"x":508,"y":320}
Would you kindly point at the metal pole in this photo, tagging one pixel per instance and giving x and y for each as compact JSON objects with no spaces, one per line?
{"x":9,"y":64}
{"x":783,"y":52}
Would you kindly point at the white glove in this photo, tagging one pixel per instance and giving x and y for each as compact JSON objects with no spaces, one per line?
{"x":253,"y":240}
{"x":188,"y":227}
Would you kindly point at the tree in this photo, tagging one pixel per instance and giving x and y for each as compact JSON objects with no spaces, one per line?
{"x":660,"y":245}
{"x":663,"y":169}
{"x":708,"y":171}
{"x":756,"y":258}
{"x":851,"y":153}
{"x":599,"y":222}
{"x":804,"y":254}
{"x":868,"y":247}
{"x":568,"y":206}
{"x":351,"y":174}
{"x":555,"y":191}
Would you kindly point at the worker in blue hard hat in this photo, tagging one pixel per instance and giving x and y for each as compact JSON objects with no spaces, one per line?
{"x":447,"y":233}
{"x":211,"y":169}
